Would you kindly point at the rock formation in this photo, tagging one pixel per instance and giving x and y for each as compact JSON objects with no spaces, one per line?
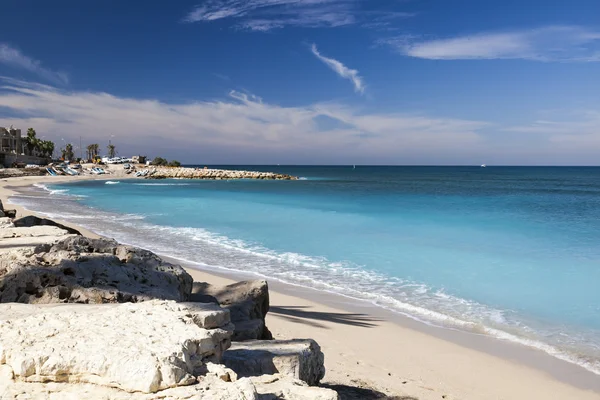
{"x":150,"y":350}
{"x":248,"y":302}
{"x":158,"y":344}
{"x":166,"y":341}
{"x":82,"y":270}
{"x":298,"y":358}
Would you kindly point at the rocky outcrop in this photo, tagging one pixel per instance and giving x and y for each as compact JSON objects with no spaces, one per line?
{"x":215,"y":174}
{"x":298,"y":358}
{"x":82,"y":270}
{"x":144,"y":347}
{"x":32,"y":220}
{"x":248,"y":302}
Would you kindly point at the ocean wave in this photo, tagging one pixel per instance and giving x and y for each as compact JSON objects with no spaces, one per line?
{"x":112,"y":182}
{"x":50,"y":191}
{"x":412,"y":299}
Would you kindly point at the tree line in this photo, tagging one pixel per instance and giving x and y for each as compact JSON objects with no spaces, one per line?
{"x":38,"y":147}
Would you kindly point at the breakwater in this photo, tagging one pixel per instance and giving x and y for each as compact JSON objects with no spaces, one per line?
{"x":216,"y":174}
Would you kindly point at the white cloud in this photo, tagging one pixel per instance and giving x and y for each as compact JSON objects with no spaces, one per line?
{"x":15,"y":58}
{"x":263,"y":15}
{"x":552,"y":43}
{"x":341,"y":70}
{"x":241,"y":128}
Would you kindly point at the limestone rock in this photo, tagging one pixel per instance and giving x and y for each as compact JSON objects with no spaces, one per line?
{"x":272,"y":387}
{"x":5,"y":222}
{"x":248,"y":302}
{"x":207,"y":388}
{"x":143,"y":347}
{"x":82,"y":270}
{"x":297,"y":358}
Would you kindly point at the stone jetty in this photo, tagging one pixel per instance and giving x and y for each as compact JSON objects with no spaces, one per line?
{"x":216,"y":174}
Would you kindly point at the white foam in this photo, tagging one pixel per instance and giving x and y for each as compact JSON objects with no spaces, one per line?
{"x":111,"y":182}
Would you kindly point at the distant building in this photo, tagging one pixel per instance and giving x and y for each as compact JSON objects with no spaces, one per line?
{"x":139,"y":159}
{"x":10,"y":141}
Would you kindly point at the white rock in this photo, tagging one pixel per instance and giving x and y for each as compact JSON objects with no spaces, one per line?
{"x":144,"y":347}
{"x":6,"y":222}
{"x":208,"y":388}
{"x":297,"y":358}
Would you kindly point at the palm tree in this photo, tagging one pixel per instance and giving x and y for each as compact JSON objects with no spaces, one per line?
{"x":67,"y":152}
{"x":111,"y":150}
{"x":31,"y":141}
{"x":90,"y":151}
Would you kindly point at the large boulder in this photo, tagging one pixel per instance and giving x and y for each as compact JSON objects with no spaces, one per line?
{"x":83,"y":270}
{"x":144,"y":347}
{"x":297,"y":358}
{"x":248,"y":302}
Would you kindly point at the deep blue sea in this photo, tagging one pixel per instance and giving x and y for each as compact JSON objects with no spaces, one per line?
{"x":512,"y":252}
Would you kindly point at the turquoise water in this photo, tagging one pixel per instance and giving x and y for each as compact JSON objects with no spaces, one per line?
{"x":506,"y":251}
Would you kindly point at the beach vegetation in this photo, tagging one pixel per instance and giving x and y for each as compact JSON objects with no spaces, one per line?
{"x":93,"y":151}
{"x":159,"y":161}
{"x":67,"y":152}
{"x":163,"y":162}
{"x":37,"y":147}
{"x":112,"y":150}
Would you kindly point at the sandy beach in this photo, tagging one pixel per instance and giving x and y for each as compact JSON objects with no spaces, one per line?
{"x":371,"y":353}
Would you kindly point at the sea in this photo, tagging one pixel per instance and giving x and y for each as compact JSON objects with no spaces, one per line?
{"x":509,"y":252}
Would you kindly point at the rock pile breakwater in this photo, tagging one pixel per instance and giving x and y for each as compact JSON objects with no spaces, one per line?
{"x":216,"y":174}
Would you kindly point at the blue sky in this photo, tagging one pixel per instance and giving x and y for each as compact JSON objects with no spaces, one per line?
{"x":309,"y":81}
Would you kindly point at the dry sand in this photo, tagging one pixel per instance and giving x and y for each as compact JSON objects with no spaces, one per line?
{"x":366,"y":347}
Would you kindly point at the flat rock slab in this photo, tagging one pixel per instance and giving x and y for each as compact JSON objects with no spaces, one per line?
{"x":207,"y":388}
{"x":135,"y":347}
{"x":297,"y":358}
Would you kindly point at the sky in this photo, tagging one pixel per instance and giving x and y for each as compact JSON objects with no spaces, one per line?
{"x":378,"y":82}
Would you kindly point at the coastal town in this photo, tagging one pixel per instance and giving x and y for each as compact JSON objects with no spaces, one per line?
{"x":29,"y":155}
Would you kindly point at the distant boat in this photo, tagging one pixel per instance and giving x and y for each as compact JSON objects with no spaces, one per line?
{"x":354,"y":167}
{"x":483,"y":165}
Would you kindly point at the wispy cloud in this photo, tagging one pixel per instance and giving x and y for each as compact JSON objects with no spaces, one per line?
{"x":341,"y":70}
{"x":239,"y":128}
{"x":552,"y":43}
{"x":15,"y":58}
{"x":265,"y":15}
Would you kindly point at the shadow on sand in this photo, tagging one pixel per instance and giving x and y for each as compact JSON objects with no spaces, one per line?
{"x":347,"y":392}
{"x":300,"y":314}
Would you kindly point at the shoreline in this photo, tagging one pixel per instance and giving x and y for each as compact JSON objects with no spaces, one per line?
{"x":433,"y":361}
